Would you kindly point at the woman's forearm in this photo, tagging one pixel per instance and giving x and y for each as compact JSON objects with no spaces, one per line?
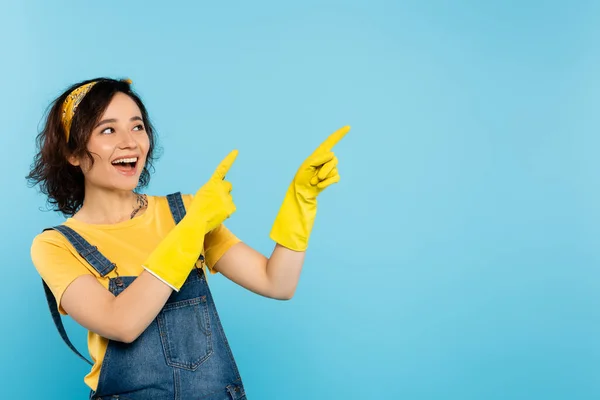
{"x":283,"y":271}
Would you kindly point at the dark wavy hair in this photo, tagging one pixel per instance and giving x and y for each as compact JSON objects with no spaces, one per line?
{"x":59,"y":180}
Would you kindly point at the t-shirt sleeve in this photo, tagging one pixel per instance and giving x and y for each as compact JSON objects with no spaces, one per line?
{"x":216,"y":242}
{"x":56,"y":264}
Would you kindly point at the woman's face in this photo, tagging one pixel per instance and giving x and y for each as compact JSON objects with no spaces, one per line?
{"x":119,"y":144}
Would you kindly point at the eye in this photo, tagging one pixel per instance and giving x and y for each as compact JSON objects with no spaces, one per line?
{"x":139,"y":127}
{"x":107,"y":131}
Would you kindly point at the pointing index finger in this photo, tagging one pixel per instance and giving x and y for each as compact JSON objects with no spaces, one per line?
{"x":224,"y":166}
{"x":333,"y":139}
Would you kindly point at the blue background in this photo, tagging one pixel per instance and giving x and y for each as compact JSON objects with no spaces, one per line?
{"x":456,"y":259}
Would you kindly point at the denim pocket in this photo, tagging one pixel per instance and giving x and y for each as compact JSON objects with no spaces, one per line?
{"x":185,"y":333}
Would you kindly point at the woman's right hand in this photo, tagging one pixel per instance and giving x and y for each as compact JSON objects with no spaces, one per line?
{"x":213,"y":203}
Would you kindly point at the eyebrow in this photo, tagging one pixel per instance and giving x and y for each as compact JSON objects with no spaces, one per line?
{"x":113,"y":120}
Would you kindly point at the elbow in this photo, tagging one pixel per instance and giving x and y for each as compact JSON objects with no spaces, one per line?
{"x":125,"y":333}
{"x":279,"y":290}
{"x":283,"y":295}
{"x":127,"y":336}
{"x":287,"y":296}
{"x":121,"y":332}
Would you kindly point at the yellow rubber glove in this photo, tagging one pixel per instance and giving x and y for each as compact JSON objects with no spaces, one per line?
{"x":295,"y":219}
{"x":178,"y":252}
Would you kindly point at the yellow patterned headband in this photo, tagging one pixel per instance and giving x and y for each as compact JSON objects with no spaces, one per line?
{"x":72,"y":101}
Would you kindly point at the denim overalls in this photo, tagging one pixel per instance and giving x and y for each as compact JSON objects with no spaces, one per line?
{"x":182,"y":355}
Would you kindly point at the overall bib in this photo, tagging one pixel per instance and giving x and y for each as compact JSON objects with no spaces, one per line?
{"x":183,"y":354}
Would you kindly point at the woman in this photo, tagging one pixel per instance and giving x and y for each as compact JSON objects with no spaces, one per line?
{"x":130,"y":267}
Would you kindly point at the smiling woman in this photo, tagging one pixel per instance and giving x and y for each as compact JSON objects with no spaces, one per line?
{"x":131,"y":268}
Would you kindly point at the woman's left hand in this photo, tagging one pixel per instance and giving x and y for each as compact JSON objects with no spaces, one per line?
{"x":294,"y":222}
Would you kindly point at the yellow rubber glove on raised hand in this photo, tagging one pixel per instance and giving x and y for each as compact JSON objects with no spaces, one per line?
{"x":178,"y":252}
{"x":294,"y":222}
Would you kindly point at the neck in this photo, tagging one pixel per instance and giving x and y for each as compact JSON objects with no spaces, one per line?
{"x":102,"y":206}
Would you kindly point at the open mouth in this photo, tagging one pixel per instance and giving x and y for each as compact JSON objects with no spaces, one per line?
{"x":126,"y":166}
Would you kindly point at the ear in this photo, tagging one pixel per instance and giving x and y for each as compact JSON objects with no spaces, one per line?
{"x":73,"y":160}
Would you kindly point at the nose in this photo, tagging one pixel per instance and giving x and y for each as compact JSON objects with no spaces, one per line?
{"x":127,"y":140}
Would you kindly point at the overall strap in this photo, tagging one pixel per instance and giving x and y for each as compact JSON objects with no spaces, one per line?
{"x":178,"y":210}
{"x":91,"y":254}
{"x":58,"y":321}
{"x":176,"y":205}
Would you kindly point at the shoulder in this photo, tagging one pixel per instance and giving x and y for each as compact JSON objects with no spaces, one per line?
{"x":50,"y":251}
{"x":163,"y":201}
{"x":164,"y":210}
{"x":48,"y":239}
{"x":50,"y":246}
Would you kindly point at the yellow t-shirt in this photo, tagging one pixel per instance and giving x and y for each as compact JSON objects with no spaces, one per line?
{"x":127,"y":244}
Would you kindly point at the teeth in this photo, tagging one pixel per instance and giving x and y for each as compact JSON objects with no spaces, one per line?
{"x":125,"y":160}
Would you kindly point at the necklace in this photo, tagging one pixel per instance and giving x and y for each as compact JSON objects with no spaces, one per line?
{"x":142,"y":202}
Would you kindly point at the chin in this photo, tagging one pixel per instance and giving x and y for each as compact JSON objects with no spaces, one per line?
{"x":127,"y":186}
